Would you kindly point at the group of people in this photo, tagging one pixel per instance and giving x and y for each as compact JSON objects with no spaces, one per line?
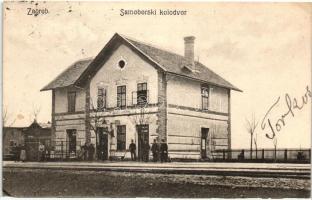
{"x":159,"y":151}
{"x":19,"y":152}
{"x":87,"y":152}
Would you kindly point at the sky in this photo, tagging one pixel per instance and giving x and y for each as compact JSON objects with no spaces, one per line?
{"x":262,"y":48}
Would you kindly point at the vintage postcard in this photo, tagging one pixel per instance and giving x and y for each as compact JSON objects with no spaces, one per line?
{"x":156,"y":99}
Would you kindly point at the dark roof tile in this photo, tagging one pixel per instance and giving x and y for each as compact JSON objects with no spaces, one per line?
{"x":174,"y":63}
{"x":69,"y":76}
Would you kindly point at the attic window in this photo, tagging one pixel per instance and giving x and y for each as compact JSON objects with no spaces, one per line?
{"x":121,"y":64}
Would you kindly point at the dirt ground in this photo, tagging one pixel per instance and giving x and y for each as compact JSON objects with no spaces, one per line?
{"x":66,"y":183}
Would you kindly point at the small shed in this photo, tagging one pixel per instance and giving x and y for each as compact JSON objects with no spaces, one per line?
{"x":36,"y":134}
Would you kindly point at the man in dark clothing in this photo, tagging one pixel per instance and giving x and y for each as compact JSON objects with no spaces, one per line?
{"x":14,"y":151}
{"x":91,"y":152}
{"x":132,"y":149}
{"x":163,"y":151}
{"x":146,"y":148}
{"x":155,"y":151}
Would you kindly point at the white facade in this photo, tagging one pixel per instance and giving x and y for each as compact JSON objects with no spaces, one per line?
{"x":181,"y":122}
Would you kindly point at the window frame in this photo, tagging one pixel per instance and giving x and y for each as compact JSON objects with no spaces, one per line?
{"x":205,"y":97}
{"x":121,"y":137}
{"x":71,"y":106}
{"x":142,"y":89}
{"x":122,"y":96}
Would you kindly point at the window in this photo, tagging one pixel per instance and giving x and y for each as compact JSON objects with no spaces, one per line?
{"x":121,"y":64}
{"x":101,"y":99}
{"x":205,"y":97}
{"x":142,"y":94}
{"x":71,"y":101}
{"x":121,"y":138}
{"x":121,"y":96}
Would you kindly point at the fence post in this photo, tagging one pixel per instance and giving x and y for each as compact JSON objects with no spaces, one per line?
{"x":262,"y":154}
{"x":223,"y":151}
{"x":62,"y":150}
{"x":285,"y":155}
{"x":243,"y":154}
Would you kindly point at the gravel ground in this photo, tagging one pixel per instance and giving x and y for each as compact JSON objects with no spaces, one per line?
{"x":66,"y":183}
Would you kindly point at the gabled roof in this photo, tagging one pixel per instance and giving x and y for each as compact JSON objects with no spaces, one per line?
{"x":36,"y":124}
{"x":164,"y":60}
{"x":174,"y":63}
{"x":69,"y":76}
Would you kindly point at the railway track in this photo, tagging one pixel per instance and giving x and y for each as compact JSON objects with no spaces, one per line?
{"x":298,"y":173}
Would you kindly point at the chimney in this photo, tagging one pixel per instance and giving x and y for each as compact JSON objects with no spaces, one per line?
{"x":189,"y":51}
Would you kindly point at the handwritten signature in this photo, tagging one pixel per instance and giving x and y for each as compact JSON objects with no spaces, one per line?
{"x":292,"y":105}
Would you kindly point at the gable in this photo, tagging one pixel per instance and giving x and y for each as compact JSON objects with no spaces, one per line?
{"x":106,"y":53}
{"x":136,"y":70}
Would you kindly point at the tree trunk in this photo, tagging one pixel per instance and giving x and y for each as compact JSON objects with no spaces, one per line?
{"x":275,"y":153}
{"x":256,"y":151}
{"x":251,"y":136}
{"x":256,"y":147}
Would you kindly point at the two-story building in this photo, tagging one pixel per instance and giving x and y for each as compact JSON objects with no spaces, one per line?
{"x":135,"y":91}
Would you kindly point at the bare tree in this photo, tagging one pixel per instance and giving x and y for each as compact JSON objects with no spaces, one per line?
{"x":6,"y":117}
{"x":36,"y":111}
{"x":251,"y":126}
{"x":140,"y":115}
{"x":256,"y":144}
{"x":98,"y":120}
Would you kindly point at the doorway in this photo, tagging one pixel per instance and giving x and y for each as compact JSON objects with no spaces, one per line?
{"x":143,"y":136}
{"x":71,"y":141}
{"x":203,"y":143}
{"x":102,"y":146}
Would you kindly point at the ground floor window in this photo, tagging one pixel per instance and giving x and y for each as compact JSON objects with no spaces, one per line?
{"x":121,"y":138}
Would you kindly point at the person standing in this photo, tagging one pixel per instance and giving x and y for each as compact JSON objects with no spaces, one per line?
{"x":91,"y":152}
{"x":41,"y":152}
{"x":82,"y":152}
{"x":155,"y":151}
{"x":146,"y":148}
{"x":23,"y":154}
{"x":132,"y":149}
{"x":163,"y":151}
{"x":14,"y":151}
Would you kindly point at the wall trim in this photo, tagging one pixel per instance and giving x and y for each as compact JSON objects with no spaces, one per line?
{"x":81,"y":118}
{"x":184,"y":150}
{"x":182,"y":143}
{"x":197,"y":116}
{"x":183,"y":136}
{"x":69,"y":113}
{"x":196,"y":109}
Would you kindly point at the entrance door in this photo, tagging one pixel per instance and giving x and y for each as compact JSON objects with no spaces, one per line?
{"x":143,"y":136}
{"x":203,"y":144}
{"x":102,"y":146}
{"x":71,"y":139}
